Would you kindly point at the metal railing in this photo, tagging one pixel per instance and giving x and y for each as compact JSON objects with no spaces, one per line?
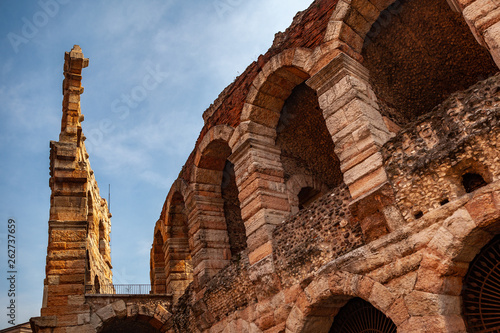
{"x":119,"y":289}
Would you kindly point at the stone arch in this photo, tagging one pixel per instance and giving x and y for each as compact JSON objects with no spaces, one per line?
{"x":176,"y":248}
{"x":149,"y":318}
{"x":468,"y":165}
{"x":296,"y":183}
{"x":217,"y":133}
{"x":351,"y":21}
{"x":157,"y":260}
{"x":216,"y":229}
{"x":446,"y":258}
{"x":415,"y":67}
{"x":258,"y":156}
{"x":321,"y":300}
{"x":274,"y":84}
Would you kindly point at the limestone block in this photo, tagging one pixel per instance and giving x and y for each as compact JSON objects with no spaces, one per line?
{"x":427,"y":304}
{"x":161,"y":314}
{"x":106,"y":313}
{"x":95,"y":321}
{"x":460,"y":224}
{"x":81,"y":329}
{"x":260,"y":115}
{"x":317,"y":324}
{"x":482,"y":209}
{"x":302,"y":59}
{"x":381,"y":297}
{"x":132,"y":310}
{"x":83,"y":318}
{"x":260,"y":253}
{"x":492,"y":38}
{"x":478,"y":9}
{"x":120,"y":309}
{"x":365,"y":287}
{"x":398,"y":312}
{"x":318,"y":290}
{"x":364,"y":168}
{"x":369,"y":182}
{"x":264,"y":100}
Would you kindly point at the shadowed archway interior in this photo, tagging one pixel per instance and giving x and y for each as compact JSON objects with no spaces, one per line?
{"x":481,"y":291}
{"x":360,"y":316}
{"x":128,"y":326}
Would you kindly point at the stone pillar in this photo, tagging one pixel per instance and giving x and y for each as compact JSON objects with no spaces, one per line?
{"x":157,"y":262}
{"x":358,"y":131}
{"x":262,"y":192}
{"x":64,"y":285}
{"x":207,"y":227}
{"x":177,"y":266}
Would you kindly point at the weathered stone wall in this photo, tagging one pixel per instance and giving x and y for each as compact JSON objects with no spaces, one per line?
{"x":99,"y":228}
{"x":414,"y":274}
{"x":426,"y":160}
{"x":315,"y":235}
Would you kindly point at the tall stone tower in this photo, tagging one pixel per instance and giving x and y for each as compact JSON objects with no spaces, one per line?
{"x":78,"y":252}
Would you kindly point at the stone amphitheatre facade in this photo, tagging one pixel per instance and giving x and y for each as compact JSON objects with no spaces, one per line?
{"x":348,"y":180}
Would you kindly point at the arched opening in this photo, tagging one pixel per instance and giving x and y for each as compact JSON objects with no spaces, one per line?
{"x":307,"y":195}
{"x":128,"y":325}
{"x":179,"y":269}
{"x":158,"y":278}
{"x":306,"y":144}
{"x":215,"y":157}
{"x":97,"y":285}
{"x":481,"y":290}
{"x":472,"y":181}
{"x":360,"y":316}
{"x":102,"y":239}
{"x":232,"y":211}
{"x":418,"y":53}
{"x":88,"y":278}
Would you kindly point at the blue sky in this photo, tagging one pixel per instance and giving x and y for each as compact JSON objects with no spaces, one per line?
{"x":195,"y":48}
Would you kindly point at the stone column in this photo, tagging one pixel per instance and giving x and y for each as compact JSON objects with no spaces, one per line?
{"x":358,"y":131}
{"x":207,"y":227}
{"x":178,"y":272}
{"x":262,"y":192}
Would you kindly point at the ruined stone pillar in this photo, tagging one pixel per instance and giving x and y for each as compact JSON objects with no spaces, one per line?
{"x":207,"y":227}
{"x":78,"y":248}
{"x":262,"y":192}
{"x":64,"y":285}
{"x":358,"y":131}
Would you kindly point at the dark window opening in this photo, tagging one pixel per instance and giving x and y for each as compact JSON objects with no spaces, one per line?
{"x":418,"y":215}
{"x":472,"y":181}
{"x":97,"y":285}
{"x":307,"y":195}
{"x":444,"y":201}
{"x":101,"y":244}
